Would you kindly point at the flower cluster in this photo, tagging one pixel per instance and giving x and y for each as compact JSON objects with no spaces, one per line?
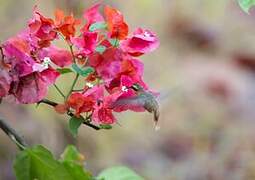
{"x":102,"y":53}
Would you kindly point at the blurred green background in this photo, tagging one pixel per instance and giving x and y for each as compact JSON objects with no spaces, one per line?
{"x":205,"y":72}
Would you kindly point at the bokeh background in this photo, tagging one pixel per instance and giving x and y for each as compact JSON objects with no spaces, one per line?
{"x":205,"y":72}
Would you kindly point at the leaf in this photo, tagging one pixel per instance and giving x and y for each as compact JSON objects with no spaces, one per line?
{"x":74,"y":124}
{"x":246,"y":4}
{"x":100,"y":49}
{"x":114,"y":42}
{"x":71,"y":159}
{"x":119,"y":173}
{"x":83,"y":72}
{"x":64,"y":70}
{"x":97,"y":26}
{"x":38,"y":163}
{"x":71,"y":154}
{"x":77,"y":172}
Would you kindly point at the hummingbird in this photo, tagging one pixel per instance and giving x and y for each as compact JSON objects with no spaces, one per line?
{"x":143,"y":99}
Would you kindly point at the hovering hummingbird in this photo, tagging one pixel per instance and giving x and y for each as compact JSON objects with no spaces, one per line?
{"x":143,"y":99}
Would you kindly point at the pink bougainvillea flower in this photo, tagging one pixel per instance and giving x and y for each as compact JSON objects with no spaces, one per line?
{"x":66,"y":24}
{"x":132,"y":70}
{"x":128,"y":99}
{"x":43,"y":28}
{"x":96,"y":92}
{"x":17,"y":52}
{"x":5,"y":82}
{"x":86,"y":43}
{"x":60,"y":57}
{"x":117,"y":27}
{"x":108,"y":64}
{"x":29,"y":89}
{"x":103,"y":115}
{"x":49,"y":76}
{"x":92,"y":16}
{"x":142,"y":41}
{"x":103,"y":111}
{"x":33,"y":87}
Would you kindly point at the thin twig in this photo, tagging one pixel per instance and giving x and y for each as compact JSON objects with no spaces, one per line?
{"x":60,"y":92}
{"x":13,"y":135}
{"x":73,"y":85}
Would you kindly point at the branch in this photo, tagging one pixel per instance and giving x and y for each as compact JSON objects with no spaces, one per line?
{"x":53,"y":104}
{"x":13,"y":135}
{"x":86,"y":121}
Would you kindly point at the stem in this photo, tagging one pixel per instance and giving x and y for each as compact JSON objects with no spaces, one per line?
{"x":77,"y":75}
{"x":71,"y":50}
{"x":2,"y":52}
{"x":74,"y":83}
{"x":60,"y":92}
{"x":86,"y":121}
{"x":13,"y":135}
{"x":48,"y":102}
{"x":77,"y":90}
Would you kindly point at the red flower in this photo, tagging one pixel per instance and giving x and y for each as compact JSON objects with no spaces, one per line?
{"x":66,"y":24}
{"x":92,"y":16}
{"x":132,"y":70}
{"x":103,"y":111}
{"x":43,"y":28}
{"x":108,"y":64}
{"x":142,"y":41}
{"x":86,"y":43}
{"x":103,"y":115}
{"x":80,"y":103}
{"x":60,"y":57}
{"x":116,"y":25}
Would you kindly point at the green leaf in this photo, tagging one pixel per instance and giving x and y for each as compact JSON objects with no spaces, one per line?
{"x":64,"y":70}
{"x":246,"y":4}
{"x":119,"y":173}
{"x":97,"y":26}
{"x":100,"y":49}
{"x":83,"y":72}
{"x":74,"y":124}
{"x":105,"y":126}
{"x":114,"y":42}
{"x":77,"y":172}
{"x":71,"y":159}
{"x":71,"y":154}
{"x":38,"y":163}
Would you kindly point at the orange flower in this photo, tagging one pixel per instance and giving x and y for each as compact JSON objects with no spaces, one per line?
{"x":66,"y":24}
{"x":116,"y":25}
{"x":61,"y":108}
{"x":80,"y":103}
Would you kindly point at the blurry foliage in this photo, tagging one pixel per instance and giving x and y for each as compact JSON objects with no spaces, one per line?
{"x":38,"y":163}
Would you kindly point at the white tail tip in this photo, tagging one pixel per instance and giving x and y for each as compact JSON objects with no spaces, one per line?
{"x":157,"y":128}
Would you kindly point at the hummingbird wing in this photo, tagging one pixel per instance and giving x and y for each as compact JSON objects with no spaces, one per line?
{"x":145,"y":101}
{"x":130,"y":103}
